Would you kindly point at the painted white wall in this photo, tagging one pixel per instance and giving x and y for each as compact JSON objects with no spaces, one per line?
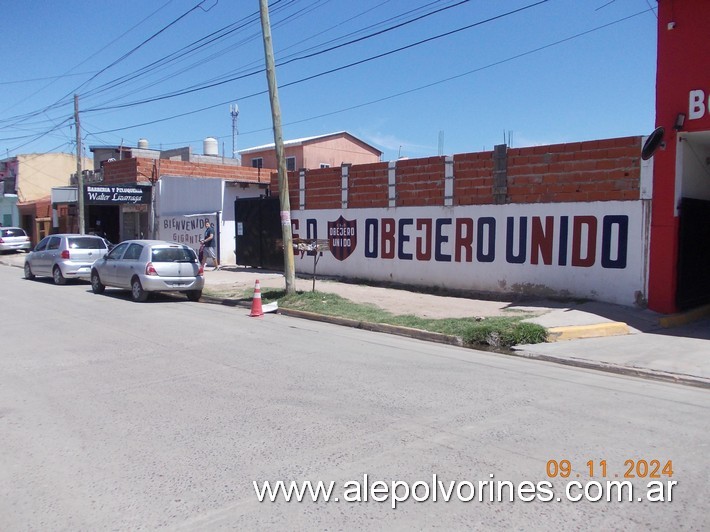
{"x":179,"y":195}
{"x":623,"y":285}
{"x":184,"y":203}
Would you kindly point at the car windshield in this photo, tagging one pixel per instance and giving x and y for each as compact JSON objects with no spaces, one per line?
{"x":85,"y":243}
{"x":173,"y":254}
{"x":11,"y":231}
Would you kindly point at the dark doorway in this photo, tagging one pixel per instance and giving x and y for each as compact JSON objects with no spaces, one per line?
{"x":693,"y":254}
{"x":104,"y":220}
{"x":258,"y":233}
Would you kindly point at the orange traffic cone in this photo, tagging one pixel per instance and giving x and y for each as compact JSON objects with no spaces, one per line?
{"x":256,"y":310}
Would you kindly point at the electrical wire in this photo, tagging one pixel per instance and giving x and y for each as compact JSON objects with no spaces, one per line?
{"x":385,"y":98}
{"x":63,"y":100}
{"x":341,"y":68}
{"x":371,"y":58}
{"x":180,"y":54}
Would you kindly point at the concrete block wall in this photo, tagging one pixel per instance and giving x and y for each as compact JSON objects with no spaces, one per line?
{"x":599,"y":170}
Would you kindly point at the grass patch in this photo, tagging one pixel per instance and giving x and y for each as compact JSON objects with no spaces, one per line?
{"x":502,"y":331}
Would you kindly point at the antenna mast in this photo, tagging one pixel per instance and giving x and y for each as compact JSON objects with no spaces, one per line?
{"x":234,"y":111}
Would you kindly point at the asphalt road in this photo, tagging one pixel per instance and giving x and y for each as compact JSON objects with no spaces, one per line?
{"x":118,"y":415}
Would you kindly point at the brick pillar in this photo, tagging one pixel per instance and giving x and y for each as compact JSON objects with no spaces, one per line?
{"x":302,"y":189}
{"x":500,"y":174}
{"x":344,"y":175}
{"x":392,"y":184}
{"x":449,"y":181}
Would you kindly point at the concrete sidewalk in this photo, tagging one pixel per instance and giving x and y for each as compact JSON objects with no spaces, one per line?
{"x":626,"y":340}
{"x":614,"y":338}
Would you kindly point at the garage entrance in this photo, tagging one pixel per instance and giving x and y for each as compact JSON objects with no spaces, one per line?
{"x":694,"y":221}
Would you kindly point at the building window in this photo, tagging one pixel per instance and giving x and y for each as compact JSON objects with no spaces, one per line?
{"x":290,"y":164}
{"x":257,"y":162}
{"x":324,"y":165}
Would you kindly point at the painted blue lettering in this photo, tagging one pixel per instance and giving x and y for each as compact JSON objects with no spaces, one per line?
{"x":440,"y":240}
{"x":403,"y":238}
{"x":371,"y":238}
{"x":510,"y":255}
{"x":489,"y":223}
{"x":564,"y":230}
{"x":622,"y":243}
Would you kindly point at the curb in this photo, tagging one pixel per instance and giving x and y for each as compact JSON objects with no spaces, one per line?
{"x":682,"y":318}
{"x":565,"y":333}
{"x":663,"y":376}
{"x":673,"y":378}
{"x":376,"y":327}
{"x":577,"y":332}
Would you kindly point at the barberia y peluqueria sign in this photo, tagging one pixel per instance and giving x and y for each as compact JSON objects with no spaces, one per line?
{"x":119,"y":194}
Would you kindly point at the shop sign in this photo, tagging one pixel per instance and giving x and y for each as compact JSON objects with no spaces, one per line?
{"x":113,"y":195}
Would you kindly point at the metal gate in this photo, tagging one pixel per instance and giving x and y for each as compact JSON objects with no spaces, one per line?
{"x":693,"y":253}
{"x":258,"y":240}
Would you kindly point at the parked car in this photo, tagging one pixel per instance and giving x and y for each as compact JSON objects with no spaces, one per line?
{"x":144,"y":266}
{"x":14,"y":239}
{"x":64,"y":256}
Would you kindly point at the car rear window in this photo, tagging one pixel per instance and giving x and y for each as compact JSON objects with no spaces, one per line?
{"x":78,"y":242}
{"x":11,"y":231}
{"x":174,"y":255}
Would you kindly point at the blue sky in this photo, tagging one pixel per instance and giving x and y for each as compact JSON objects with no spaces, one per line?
{"x":521,"y":70}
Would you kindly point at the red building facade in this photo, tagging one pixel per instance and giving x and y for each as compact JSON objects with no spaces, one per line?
{"x":679,"y":259}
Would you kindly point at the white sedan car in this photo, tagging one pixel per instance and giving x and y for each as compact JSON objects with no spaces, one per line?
{"x":14,"y":239}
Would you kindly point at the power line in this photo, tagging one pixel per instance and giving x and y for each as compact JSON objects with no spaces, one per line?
{"x":371,"y":58}
{"x":372,"y":102}
{"x":231,"y":28}
{"x":62,"y":101}
{"x":32,"y":80}
{"x":347,"y":66}
{"x":277,"y":4}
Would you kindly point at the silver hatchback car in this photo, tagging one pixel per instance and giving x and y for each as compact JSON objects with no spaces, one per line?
{"x":64,"y":256}
{"x":144,"y":266}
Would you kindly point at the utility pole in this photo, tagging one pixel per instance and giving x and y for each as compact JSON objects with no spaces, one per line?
{"x":289,"y":268}
{"x":79,"y":175}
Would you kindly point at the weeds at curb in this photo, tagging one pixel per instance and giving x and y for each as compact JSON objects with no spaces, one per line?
{"x":497,"y":332}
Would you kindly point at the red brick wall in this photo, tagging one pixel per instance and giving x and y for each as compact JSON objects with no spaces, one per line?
{"x":473,"y":181}
{"x":600,"y":170}
{"x":367,"y":185}
{"x":323,"y":187}
{"x":293,"y":194}
{"x":140,"y":170}
{"x":420,"y":182}
{"x":122,"y":172}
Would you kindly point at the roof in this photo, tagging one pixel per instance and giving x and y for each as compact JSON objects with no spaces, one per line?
{"x":306,"y":140}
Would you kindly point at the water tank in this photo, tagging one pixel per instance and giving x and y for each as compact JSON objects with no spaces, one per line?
{"x":210,"y":146}
{"x":143,"y":144}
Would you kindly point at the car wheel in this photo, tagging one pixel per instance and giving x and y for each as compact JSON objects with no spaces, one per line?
{"x":194,"y":295}
{"x":57,"y":276}
{"x":97,"y":287}
{"x":137,"y":292}
{"x":28,"y":271}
